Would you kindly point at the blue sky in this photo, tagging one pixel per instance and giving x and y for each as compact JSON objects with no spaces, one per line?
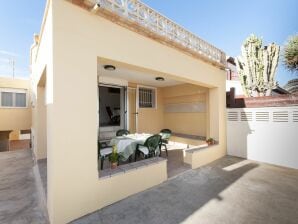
{"x":224,"y":23}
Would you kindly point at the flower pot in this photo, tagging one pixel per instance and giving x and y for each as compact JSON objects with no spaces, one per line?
{"x":114,"y":165}
{"x":210,"y":143}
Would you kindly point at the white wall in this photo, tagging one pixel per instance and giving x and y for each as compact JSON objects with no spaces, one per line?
{"x":264,"y":134}
{"x":234,"y":84}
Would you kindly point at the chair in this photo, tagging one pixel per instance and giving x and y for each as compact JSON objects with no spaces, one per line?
{"x":103,"y":153}
{"x":149,"y":148}
{"x":115,"y":119}
{"x":122,"y":132}
{"x":165,"y":137}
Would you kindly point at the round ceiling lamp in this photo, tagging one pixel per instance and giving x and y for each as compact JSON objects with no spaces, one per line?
{"x":160,"y":79}
{"x":109,"y":67}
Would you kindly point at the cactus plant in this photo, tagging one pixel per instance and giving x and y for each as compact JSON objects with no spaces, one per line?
{"x":257,"y":66}
{"x":290,"y":54}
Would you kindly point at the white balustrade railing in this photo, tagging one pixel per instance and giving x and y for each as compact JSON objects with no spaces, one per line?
{"x":137,"y":11}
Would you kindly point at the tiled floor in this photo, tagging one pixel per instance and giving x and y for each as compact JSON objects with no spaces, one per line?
{"x":19,"y":196}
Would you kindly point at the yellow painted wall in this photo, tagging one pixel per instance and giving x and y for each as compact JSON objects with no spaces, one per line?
{"x":15,"y":118}
{"x":192,"y":123}
{"x":71,"y":63}
{"x":41,"y":135}
{"x":151,"y":120}
{"x":41,"y":74}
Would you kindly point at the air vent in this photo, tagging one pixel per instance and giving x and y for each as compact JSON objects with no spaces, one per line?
{"x":233,"y":116}
{"x":295,"y":116}
{"x":280,"y":116}
{"x":246,"y":116}
{"x":262,"y":116}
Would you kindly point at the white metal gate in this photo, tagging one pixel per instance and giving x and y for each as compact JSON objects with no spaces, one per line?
{"x":268,"y":134}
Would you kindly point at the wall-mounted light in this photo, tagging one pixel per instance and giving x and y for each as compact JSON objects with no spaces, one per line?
{"x":109,"y":67}
{"x":160,"y":79}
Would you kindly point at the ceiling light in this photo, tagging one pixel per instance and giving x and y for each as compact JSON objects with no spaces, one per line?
{"x":109,"y":67}
{"x":160,"y":79}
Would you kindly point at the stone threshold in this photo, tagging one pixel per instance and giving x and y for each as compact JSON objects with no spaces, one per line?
{"x":122,"y":169}
{"x":199,"y":148}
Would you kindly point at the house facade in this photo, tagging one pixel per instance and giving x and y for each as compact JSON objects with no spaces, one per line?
{"x":159,"y":76}
{"x":15,"y":111}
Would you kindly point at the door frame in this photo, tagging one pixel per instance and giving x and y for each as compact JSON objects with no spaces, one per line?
{"x":123,"y":112}
{"x":127,"y":106}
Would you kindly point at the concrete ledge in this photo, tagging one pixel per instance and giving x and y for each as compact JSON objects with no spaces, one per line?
{"x":202,"y":155}
{"x":122,"y":169}
{"x":130,"y":179}
{"x":193,"y":137}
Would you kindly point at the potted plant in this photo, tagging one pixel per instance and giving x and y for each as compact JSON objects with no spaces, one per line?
{"x":114,"y":158}
{"x":210,"y":141}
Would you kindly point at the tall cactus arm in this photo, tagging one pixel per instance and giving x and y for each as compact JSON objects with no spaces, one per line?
{"x":257,"y":67}
{"x":242,"y":76}
{"x":274,"y":56}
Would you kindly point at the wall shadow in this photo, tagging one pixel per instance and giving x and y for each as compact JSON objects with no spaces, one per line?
{"x":176,"y":199}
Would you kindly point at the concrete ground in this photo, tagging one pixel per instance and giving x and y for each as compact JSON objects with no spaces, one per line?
{"x":20,"y":201}
{"x":229,"y":190}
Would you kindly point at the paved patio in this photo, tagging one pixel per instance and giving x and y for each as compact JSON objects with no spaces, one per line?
{"x":229,"y":190}
{"x":20,"y":201}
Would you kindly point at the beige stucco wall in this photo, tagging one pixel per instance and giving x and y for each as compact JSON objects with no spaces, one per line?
{"x":41,"y":134}
{"x":15,"y":118}
{"x":42,"y":76}
{"x":151,"y":120}
{"x":191,"y":123}
{"x":71,"y":99}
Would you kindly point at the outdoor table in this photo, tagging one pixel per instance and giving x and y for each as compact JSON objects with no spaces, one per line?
{"x":126,"y":145}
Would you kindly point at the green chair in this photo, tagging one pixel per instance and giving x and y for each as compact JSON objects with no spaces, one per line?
{"x":122,"y":132}
{"x":150,"y":148}
{"x":165,"y":137}
{"x":103,"y":152}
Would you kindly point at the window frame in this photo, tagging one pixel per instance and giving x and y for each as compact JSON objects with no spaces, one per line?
{"x":13,"y":91}
{"x":138,"y":96}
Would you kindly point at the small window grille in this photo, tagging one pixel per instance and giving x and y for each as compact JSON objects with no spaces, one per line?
{"x":147,"y":97}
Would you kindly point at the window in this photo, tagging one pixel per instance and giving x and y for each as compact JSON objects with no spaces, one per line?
{"x":6,"y":99}
{"x":147,"y":97}
{"x":13,"y":98}
{"x":20,"y":100}
{"x":111,"y":100}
